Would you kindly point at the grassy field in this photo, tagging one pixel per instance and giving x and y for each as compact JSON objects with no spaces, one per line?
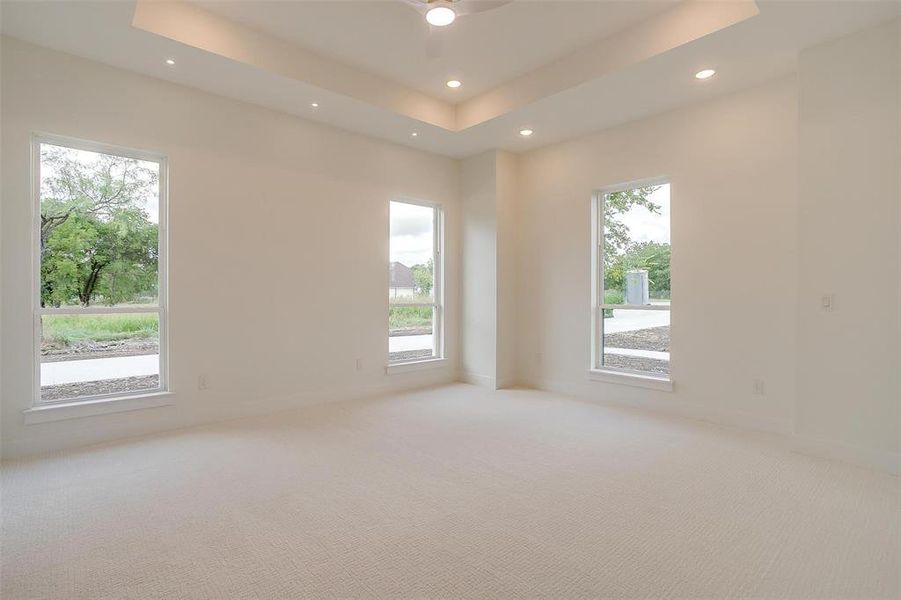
{"x":618,"y":297}
{"x":70,"y":329}
{"x":409,"y":316}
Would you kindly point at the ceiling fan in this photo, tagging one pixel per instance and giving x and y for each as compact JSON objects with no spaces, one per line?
{"x":440,"y":13}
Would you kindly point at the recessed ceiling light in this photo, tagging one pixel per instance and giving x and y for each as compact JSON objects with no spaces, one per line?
{"x":414,"y":134}
{"x":170,"y":61}
{"x":454,"y":84}
{"x":525,"y":132}
{"x":705,"y":74}
{"x":440,"y":16}
{"x":314,"y":104}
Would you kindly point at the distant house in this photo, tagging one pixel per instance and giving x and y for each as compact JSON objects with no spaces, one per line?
{"x":400,"y":281}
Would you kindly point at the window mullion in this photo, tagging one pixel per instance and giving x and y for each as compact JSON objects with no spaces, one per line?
{"x":411,"y":305}
{"x":662,"y":307}
{"x":99,"y":310}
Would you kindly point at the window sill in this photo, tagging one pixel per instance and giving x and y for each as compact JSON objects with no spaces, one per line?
{"x":644,"y":381}
{"x":419,"y":365}
{"x":102,"y":406}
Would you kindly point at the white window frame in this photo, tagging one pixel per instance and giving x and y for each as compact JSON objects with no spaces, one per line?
{"x":161,"y":309}
{"x":597,"y":369}
{"x":437,"y":305}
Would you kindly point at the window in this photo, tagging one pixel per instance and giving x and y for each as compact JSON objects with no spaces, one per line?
{"x":631,"y":280}
{"x":415,"y":301}
{"x":100,"y":285}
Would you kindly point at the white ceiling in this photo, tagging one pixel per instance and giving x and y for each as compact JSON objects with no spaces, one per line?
{"x":391,"y":39}
{"x":354,"y":98}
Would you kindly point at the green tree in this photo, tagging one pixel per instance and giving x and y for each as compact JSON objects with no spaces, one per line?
{"x":616,"y":233}
{"x":96,"y":187}
{"x":128,"y":271}
{"x":423,"y":278}
{"x":64,"y":259}
{"x":112,"y":260}
{"x":654,"y":257}
{"x":97,"y":241}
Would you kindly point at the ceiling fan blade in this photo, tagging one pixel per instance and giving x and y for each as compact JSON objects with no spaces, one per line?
{"x":420,"y":6}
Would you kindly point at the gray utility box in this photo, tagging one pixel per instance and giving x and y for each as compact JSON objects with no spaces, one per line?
{"x":637,"y":290}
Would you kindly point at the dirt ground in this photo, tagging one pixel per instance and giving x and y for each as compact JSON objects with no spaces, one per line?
{"x":655,"y":338}
{"x":637,"y":363}
{"x":402,"y":331}
{"x":83,"y":350}
{"x":411,"y":355}
{"x":53,"y":393}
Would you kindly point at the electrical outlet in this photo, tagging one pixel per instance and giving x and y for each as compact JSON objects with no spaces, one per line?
{"x":203,"y":382}
{"x":359,"y":364}
{"x":759,"y":388}
{"x":827,"y":302}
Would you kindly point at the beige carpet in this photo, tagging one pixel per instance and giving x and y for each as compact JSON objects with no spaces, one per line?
{"x":448,"y":493}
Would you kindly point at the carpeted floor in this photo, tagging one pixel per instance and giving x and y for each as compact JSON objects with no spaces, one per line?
{"x":455,"y":492}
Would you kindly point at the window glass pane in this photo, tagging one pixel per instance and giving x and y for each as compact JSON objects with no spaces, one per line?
{"x":637,"y":246}
{"x":637,"y":340}
{"x":87,"y":355}
{"x":410,"y":333}
{"x":411,"y":274}
{"x":99,"y":237}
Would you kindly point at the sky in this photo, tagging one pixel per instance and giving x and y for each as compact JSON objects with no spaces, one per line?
{"x":151,"y":204}
{"x":645,"y":226}
{"x":411,"y":233}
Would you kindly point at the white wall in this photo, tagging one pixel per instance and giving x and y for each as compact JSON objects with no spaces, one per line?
{"x":733,"y":169}
{"x":488,"y":187}
{"x":261,"y":204}
{"x":780,"y":194}
{"x":478,"y":323}
{"x":850,"y":123}
{"x":507,"y":176}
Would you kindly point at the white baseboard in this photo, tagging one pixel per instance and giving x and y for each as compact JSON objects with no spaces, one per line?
{"x":480,"y":380}
{"x":667,"y":403}
{"x":879,"y":460}
{"x":887,"y":462}
{"x":99,"y":430}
